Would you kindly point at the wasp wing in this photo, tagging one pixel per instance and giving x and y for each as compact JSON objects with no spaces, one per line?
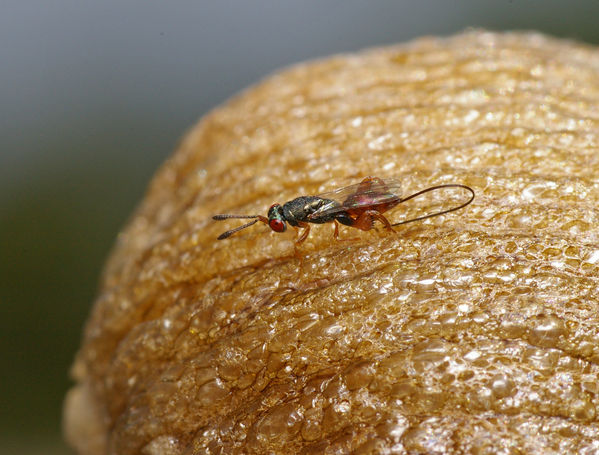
{"x":359,"y":195}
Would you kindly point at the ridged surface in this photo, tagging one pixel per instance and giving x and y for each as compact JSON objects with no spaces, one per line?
{"x":476,"y":332}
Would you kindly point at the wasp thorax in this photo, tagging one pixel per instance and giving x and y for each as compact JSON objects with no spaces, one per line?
{"x":276,"y":220}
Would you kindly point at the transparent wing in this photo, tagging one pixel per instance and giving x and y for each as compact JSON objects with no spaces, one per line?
{"x":359,"y":195}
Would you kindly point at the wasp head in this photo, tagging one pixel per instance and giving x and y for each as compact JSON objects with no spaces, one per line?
{"x":276,"y":219}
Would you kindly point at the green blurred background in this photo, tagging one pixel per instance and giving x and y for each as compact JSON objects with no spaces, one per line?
{"x":95,"y":95}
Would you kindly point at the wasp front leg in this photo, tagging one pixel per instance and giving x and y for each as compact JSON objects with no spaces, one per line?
{"x":304,"y":235}
{"x":300,"y":239}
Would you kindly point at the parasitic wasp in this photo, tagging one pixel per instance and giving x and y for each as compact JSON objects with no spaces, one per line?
{"x":357,"y":206}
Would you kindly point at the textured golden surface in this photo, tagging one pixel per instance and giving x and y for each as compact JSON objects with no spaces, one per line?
{"x":476,"y":332}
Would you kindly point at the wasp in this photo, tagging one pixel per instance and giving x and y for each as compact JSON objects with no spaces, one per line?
{"x":357,"y":206}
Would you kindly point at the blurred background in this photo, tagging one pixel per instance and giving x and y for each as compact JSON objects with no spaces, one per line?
{"x":95,"y":95}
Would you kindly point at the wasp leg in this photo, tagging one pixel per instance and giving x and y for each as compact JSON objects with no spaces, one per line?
{"x":336,"y":234}
{"x":366,"y":220}
{"x":304,"y":235}
{"x":300,"y":239}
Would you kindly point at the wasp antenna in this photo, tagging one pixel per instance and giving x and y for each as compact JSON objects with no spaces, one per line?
{"x":227,"y":234}
{"x":443,"y":212}
{"x":226,"y":217}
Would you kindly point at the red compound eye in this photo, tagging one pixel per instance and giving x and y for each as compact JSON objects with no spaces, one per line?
{"x":277,"y":225}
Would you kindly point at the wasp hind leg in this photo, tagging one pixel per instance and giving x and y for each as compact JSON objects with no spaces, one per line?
{"x":366,"y":220}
